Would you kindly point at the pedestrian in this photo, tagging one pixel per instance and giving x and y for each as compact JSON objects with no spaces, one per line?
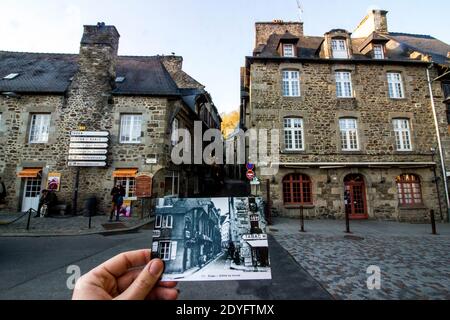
{"x":117,"y":193}
{"x":43,"y":200}
{"x":2,"y":192}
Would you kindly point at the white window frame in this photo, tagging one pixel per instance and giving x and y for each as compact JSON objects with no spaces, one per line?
{"x":402,"y":131}
{"x":294,"y":137}
{"x":127,"y":186}
{"x":339,"y":48}
{"x":167,"y":250}
{"x":291,"y":83}
{"x":175,"y":186}
{"x":395,"y":85}
{"x":167,"y":222}
{"x":290,"y":53}
{"x":344,"y":87}
{"x":378,"y":51}
{"x":39,"y":128}
{"x":349,"y":134}
{"x":130,"y":128}
{"x":158,"y":221}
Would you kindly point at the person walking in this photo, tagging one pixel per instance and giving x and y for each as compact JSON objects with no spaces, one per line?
{"x":117,"y":193}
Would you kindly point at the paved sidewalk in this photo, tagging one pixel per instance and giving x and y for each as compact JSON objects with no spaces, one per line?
{"x":64,"y":226}
{"x":414,"y":264}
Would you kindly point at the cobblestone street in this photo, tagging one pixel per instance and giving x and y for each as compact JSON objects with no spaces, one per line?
{"x":414,"y":264}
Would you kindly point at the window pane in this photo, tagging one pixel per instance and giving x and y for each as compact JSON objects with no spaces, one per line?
{"x":130,"y":128}
{"x":39,"y":128}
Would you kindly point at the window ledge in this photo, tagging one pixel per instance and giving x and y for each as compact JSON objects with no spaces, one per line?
{"x":293,"y":152}
{"x":298,"y":206}
{"x":291,"y":97}
{"x":354,"y":152}
{"x":418,"y":207}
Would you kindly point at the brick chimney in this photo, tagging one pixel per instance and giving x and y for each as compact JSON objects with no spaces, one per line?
{"x":374,"y":21}
{"x":98,"y":55}
{"x":265,"y":29}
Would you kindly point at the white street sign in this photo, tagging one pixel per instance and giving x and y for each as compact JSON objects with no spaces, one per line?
{"x":87,"y":158}
{"x":89,"y":133}
{"x":86,"y":164}
{"x":88,"y":139}
{"x":88,"y":145}
{"x":88,"y":151}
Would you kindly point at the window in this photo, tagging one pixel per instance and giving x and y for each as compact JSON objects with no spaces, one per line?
{"x":293,"y":134}
{"x":158,"y":221}
{"x":378,"y":51}
{"x":409,"y":190}
{"x":130,"y":128}
{"x":129,"y":184}
{"x":395,"y":85}
{"x":175,"y":137}
{"x":39,"y":128}
{"x":339,"y":48}
{"x":171,"y":185}
{"x":288,"y":50}
{"x":344,"y":84}
{"x":297,"y":189}
{"x":402,"y":134}
{"x":291,"y":83}
{"x":349,"y":134}
{"x":164,"y":250}
{"x":167,"y":222}
{"x":120,"y":79}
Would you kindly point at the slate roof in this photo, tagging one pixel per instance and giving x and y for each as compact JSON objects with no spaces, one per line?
{"x":52,"y":73}
{"x":310,"y":46}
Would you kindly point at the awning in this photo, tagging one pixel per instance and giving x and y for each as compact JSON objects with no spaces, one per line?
{"x":125,"y":173}
{"x":29,"y":173}
{"x":258,"y":243}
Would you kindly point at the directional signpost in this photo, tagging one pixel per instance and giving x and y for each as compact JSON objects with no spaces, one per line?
{"x":87,"y":149}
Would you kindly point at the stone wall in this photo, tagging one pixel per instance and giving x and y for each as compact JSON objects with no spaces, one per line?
{"x":265,"y":29}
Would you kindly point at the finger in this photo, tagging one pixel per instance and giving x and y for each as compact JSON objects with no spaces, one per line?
{"x":127,"y":279}
{"x":145,"y":281}
{"x":120,"y":264}
{"x":163,"y":294}
{"x":168,"y":284}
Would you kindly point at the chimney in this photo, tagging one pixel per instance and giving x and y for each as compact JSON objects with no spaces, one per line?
{"x":265,"y":29}
{"x":98,"y":51}
{"x":374,"y":21}
{"x":172,"y":63}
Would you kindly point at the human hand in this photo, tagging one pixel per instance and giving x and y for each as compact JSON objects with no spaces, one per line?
{"x":128,"y":276}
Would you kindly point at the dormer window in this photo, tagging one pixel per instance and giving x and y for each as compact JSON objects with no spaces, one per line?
{"x":120,"y":79}
{"x":11,"y":76}
{"x":378,"y":51}
{"x":339,"y":48}
{"x":288,"y":50}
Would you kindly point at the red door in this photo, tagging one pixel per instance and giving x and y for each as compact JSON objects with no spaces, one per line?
{"x":355,"y":197}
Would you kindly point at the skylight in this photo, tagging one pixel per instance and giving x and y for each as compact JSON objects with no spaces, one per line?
{"x":10,"y":76}
{"x":120,"y":79}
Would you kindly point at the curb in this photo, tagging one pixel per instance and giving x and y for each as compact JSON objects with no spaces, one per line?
{"x":74,"y":234}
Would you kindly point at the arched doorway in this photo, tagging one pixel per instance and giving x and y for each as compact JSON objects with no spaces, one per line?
{"x":355,"y":197}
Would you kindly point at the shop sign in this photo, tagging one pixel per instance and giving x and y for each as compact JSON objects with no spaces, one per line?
{"x":261,"y":236}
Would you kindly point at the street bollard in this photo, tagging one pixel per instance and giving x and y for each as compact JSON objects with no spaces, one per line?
{"x":302,"y":220}
{"x":433,"y":222}
{"x":29,"y":218}
{"x":347,"y":222}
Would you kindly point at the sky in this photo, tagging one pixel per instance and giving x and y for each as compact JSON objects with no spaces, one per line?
{"x":212,"y":36}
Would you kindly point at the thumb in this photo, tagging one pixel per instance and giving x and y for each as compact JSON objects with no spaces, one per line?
{"x":145,"y":281}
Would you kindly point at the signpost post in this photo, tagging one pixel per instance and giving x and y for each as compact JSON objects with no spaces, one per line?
{"x":86,"y":149}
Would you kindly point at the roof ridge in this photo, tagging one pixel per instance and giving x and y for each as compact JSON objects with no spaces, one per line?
{"x":412,"y":34}
{"x":29,"y":52}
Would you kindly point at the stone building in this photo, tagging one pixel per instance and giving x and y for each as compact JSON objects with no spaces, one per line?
{"x":187,"y":233}
{"x":140,"y":101}
{"x":355,"y":120}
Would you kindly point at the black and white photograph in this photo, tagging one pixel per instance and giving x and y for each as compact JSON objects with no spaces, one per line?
{"x":212,"y":239}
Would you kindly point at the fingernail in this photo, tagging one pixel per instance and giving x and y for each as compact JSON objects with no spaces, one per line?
{"x":155,"y":267}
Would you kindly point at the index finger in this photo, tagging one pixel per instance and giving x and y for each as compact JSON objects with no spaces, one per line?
{"x":120,"y":264}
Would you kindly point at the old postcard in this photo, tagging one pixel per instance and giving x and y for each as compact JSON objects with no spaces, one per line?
{"x":212,"y":239}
